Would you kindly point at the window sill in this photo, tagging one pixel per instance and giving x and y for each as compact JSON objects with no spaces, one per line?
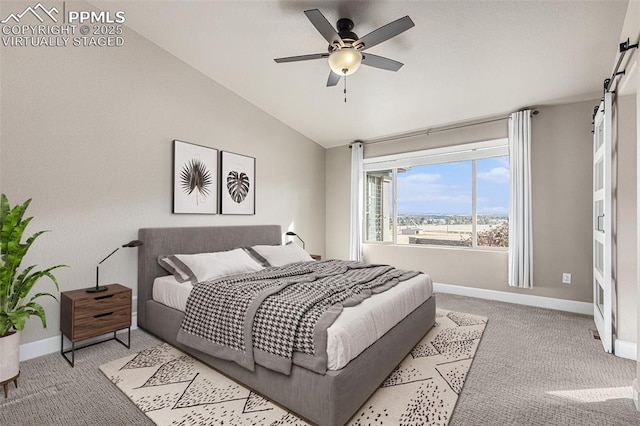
{"x":437,"y":247}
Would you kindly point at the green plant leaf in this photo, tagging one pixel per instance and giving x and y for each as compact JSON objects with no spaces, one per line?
{"x":22,"y":288}
{"x":18,"y":318}
{"x":12,"y":224}
{"x":42,"y":294}
{"x":15,"y":285}
{"x":5,"y":324}
{"x":34,"y":308}
{"x":4,"y":209}
{"x":12,"y":251}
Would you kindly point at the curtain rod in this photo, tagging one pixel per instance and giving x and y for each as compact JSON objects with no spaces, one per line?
{"x":433,"y":130}
{"x":427,"y":132}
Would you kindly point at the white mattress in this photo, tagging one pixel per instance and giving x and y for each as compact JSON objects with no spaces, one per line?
{"x":354,"y":330}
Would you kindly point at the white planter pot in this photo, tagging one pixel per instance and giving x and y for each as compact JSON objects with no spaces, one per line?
{"x":9,"y":356}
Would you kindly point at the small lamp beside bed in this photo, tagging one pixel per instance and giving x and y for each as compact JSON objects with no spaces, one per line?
{"x":98,"y":288}
{"x":293,"y":234}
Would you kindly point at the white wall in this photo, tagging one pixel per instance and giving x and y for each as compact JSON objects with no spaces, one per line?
{"x":637,"y":298}
{"x":87,"y":133}
{"x":625,"y":267}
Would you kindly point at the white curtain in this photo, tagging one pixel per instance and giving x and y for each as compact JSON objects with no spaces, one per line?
{"x":357,"y":200}
{"x":520,"y":229}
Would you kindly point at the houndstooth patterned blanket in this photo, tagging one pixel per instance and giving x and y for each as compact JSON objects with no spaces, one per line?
{"x":280,"y":315}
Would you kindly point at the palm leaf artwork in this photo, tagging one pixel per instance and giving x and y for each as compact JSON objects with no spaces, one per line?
{"x":238,"y":185}
{"x":195,"y":176}
{"x":15,"y":285}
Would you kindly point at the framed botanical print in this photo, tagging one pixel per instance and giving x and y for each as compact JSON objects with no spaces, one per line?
{"x":237,"y":184}
{"x":195,"y":178}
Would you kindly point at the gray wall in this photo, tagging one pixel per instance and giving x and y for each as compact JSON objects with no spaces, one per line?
{"x":87,"y":133}
{"x":561,"y":163}
{"x":562,"y":200}
{"x":338,"y":196}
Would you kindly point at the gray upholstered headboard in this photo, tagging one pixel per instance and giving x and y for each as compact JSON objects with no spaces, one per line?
{"x":187,"y":240}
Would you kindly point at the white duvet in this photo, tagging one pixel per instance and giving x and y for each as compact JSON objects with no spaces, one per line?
{"x":354,"y":330}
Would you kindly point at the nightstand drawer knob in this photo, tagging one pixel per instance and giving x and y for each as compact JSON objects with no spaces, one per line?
{"x":103,"y":297}
{"x":103,"y":315}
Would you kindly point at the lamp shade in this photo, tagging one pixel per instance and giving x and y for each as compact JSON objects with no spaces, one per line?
{"x":345,"y":61}
{"x":134,"y":243}
{"x":293,"y":234}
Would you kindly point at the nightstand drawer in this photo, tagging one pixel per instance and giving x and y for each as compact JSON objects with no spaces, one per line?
{"x":100,"y":304}
{"x":100,"y":323}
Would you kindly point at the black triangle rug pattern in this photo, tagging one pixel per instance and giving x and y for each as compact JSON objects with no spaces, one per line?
{"x":171,"y":387}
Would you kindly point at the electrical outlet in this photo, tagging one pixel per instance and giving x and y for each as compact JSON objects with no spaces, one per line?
{"x":566,"y":278}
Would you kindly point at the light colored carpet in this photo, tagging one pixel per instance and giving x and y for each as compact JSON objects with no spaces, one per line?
{"x":539,"y":367}
{"x":172,"y":388}
{"x":526,"y":354}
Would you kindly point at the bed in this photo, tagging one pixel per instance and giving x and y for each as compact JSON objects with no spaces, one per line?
{"x":325,"y":399}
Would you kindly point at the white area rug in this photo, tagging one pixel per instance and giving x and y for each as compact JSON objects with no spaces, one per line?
{"x":172,"y":388}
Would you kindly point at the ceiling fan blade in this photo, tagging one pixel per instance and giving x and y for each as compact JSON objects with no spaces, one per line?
{"x":323,"y":26}
{"x":381,"y":62}
{"x":390,"y":30}
{"x":333,"y":79}
{"x":302,"y":57}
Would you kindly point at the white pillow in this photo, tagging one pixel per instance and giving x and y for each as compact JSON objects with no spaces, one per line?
{"x":208,"y":266}
{"x":167,"y":263}
{"x":283,"y":255}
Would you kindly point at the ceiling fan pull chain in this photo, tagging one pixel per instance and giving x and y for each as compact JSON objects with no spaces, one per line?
{"x":345,"y":85}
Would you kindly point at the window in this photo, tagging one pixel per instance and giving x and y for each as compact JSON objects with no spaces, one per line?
{"x":379,"y":206}
{"x":492,"y":201}
{"x":455,"y":196}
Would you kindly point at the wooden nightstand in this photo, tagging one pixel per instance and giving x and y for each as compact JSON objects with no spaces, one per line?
{"x":84,"y":315}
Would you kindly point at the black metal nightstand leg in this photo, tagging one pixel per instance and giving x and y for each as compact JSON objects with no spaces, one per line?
{"x":64,"y":353}
{"x":73,"y":345}
{"x":128,"y":344}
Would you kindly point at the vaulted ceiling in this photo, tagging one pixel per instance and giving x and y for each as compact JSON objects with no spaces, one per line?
{"x":464,"y":60}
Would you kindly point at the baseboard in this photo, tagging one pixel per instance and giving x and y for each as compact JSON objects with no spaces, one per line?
{"x":521,"y":299}
{"x":624,"y":349}
{"x":39,"y":348}
{"x":52,"y":344}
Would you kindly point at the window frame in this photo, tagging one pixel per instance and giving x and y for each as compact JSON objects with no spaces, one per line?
{"x":455,"y":153}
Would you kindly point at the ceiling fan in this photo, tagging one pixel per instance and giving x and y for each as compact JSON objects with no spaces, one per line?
{"x":346,"y":49}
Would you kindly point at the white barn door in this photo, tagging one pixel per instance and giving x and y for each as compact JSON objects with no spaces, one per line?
{"x":602,"y":229}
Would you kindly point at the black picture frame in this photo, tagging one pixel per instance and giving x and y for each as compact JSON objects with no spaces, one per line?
{"x":195,"y":178}
{"x":237,"y":184}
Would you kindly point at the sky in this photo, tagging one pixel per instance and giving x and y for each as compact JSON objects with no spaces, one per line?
{"x":446,"y":188}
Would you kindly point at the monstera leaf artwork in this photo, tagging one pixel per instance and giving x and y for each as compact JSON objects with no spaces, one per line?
{"x":238,"y":185}
{"x":240,"y":174}
{"x":195,"y":183}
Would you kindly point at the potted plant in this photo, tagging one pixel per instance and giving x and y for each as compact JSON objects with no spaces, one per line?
{"x":15,"y":285}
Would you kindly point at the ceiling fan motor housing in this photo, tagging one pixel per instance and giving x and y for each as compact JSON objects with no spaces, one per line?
{"x":344,"y":26}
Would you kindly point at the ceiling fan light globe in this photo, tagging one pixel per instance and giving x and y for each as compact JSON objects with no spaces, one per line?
{"x":345,"y":61}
